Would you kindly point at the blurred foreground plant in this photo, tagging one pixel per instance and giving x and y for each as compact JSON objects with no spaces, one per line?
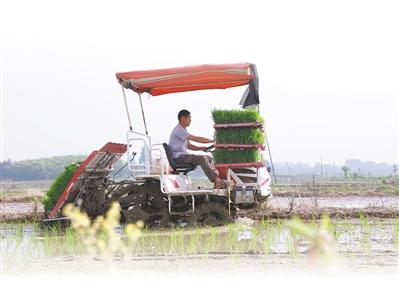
{"x":99,"y":237}
{"x":321,"y":241}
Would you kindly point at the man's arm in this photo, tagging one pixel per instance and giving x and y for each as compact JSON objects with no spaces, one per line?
{"x":194,"y":147}
{"x":199,"y":139}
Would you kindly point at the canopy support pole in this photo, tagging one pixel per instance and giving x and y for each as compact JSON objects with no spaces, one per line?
{"x":268,"y":149}
{"x":142,"y":113}
{"x":270,"y":155}
{"x":127,"y":109}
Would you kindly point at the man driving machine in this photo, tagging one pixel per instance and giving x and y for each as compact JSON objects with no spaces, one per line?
{"x":180,"y":141}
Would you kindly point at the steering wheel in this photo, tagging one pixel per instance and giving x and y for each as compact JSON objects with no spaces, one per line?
{"x":208,"y":149}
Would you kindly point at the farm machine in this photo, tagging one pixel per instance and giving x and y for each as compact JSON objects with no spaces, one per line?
{"x":159,"y":191}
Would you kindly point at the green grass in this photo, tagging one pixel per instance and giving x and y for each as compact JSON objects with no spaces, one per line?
{"x":58,"y":186}
{"x":240,"y":136}
{"x":236,"y":156}
{"x":236,"y":116}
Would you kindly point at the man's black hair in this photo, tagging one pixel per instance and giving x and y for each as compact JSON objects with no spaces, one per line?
{"x":183,"y":113}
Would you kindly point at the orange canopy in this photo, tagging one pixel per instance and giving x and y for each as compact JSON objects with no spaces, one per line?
{"x":190,"y":78}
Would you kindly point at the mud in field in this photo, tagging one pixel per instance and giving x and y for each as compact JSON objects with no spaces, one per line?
{"x":339,"y":207}
{"x":277,"y":207}
{"x":21,"y":212}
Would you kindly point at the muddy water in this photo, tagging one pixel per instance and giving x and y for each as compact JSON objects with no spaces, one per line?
{"x":362,"y":245}
{"x":16,"y":208}
{"x":340,"y":202}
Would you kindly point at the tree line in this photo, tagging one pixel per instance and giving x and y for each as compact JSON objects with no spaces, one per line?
{"x":49,"y":168}
{"x":36,"y":169}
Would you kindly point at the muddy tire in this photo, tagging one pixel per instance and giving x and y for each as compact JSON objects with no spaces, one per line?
{"x":161,"y":220}
{"x":210,"y":214}
{"x":153,"y":219}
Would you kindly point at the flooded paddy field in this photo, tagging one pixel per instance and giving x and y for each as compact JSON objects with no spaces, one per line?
{"x":358,"y":245}
{"x":364,"y":232}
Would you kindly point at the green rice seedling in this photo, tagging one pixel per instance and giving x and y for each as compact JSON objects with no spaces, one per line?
{"x":175,"y":248}
{"x":165,"y":245}
{"x":236,"y":156}
{"x":136,"y":247}
{"x":365,"y":232}
{"x":36,"y":229}
{"x":397,"y":232}
{"x":48,"y":243}
{"x":365,"y":242}
{"x":279,"y":224}
{"x":292,"y":247}
{"x":215,"y":239}
{"x":236,"y":116}
{"x":347,"y":225}
{"x":211,"y":240}
{"x":240,"y":136}
{"x":333,"y":230}
{"x":71,"y":241}
{"x":254,"y":240}
{"x":35,"y":236}
{"x":173,"y":243}
{"x":58,"y":186}
{"x":136,"y":242}
{"x":154,"y":244}
{"x":232,"y":234}
{"x":181,"y":246}
{"x":364,"y":222}
{"x":291,"y":239}
{"x":55,"y":230}
{"x":268,"y":240}
{"x":313,"y":222}
{"x":330,"y":227}
{"x":19,"y":234}
{"x":265,"y":223}
{"x":195,"y":242}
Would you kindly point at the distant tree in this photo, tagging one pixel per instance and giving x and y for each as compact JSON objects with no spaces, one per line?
{"x":36,"y":169}
{"x":346,"y":171}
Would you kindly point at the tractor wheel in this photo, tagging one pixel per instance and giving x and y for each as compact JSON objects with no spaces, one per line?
{"x":159,"y":220}
{"x":151,"y":218}
{"x":210,"y":214}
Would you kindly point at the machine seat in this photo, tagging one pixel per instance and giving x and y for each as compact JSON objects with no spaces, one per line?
{"x":178,"y":168}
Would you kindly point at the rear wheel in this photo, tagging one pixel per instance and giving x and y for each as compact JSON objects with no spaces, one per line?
{"x":149,"y":216}
{"x":210,"y":214}
{"x":147,"y":205}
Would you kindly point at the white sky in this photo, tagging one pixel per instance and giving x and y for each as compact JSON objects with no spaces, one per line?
{"x":329,"y":72}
